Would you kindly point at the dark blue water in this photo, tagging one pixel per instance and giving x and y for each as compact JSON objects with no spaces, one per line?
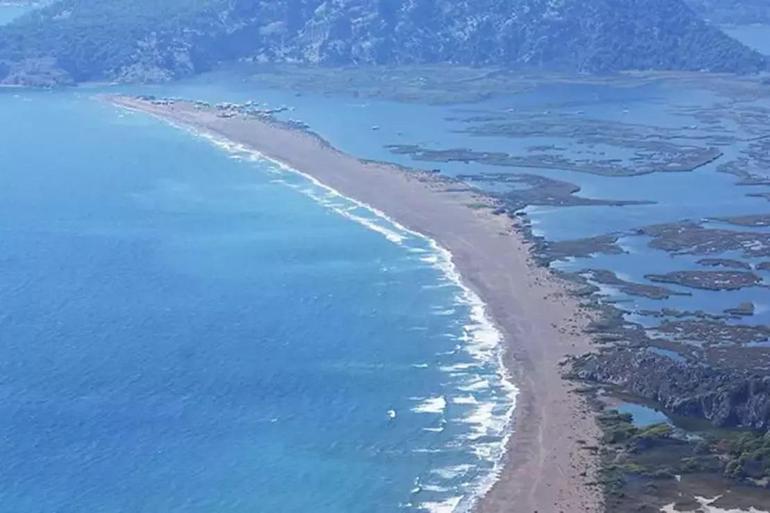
{"x":188,"y":329}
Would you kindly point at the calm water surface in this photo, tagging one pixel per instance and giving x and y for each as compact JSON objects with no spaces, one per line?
{"x":184,"y":329}
{"x":194,"y":330}
{"x":698,"y":195}
{"x":10,"y":12}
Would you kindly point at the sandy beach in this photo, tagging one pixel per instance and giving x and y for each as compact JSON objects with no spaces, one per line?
{"x":548,"y":467}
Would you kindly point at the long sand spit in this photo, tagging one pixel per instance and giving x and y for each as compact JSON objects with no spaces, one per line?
{"x":547,"y":467}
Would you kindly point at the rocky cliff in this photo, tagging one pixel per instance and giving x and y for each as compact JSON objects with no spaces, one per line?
{"x":136,"y":40}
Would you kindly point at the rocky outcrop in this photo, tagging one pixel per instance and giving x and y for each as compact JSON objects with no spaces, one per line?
{"x":142,"y":40}
{"x":725,"y":397}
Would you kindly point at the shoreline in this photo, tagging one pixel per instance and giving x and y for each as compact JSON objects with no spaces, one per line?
{"x":479,"y":319}
{"x":546,"y":467}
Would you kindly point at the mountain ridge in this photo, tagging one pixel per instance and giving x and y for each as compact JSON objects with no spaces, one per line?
{"x":134,"y":40}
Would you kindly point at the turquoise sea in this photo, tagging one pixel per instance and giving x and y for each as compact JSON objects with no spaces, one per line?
{"x":703,"y":194}
{"x":699,"y":196}
{"x":186,"y":328}
{"x":11,"y":11}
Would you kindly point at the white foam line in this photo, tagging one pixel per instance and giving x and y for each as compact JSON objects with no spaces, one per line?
{"x":431,"y":405}
{"x":437,"y":286}
{"x":482,"y":421}
{"x":391,"y":235}
{"x":459,"y":367}
{"x":435,"y":488}
{"x":707,"y":506}
{"x":452,"y":472}
{"x":466,"y":399}
{"x":483,"y":339}
{"x":477,"y":385}
{"x":445,"y":506}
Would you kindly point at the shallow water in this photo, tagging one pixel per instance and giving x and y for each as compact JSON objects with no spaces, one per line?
{"x":194,"y":329}
{"x":10,"y":12}
{"x":188,"y":328}
{"x":696,"y":195}
{"x":643,"y":416}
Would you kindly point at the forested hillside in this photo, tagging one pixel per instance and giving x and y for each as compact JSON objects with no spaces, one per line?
{"x":143,"y":40}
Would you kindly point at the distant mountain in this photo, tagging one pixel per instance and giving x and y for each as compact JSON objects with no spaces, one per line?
{"x":733,"y":12}
{"x":141,"y":40}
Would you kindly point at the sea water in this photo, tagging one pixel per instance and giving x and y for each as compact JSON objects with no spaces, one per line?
{"x":11,"y":11}
{"x":366,"y":126}
{"x":185,"y":327}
